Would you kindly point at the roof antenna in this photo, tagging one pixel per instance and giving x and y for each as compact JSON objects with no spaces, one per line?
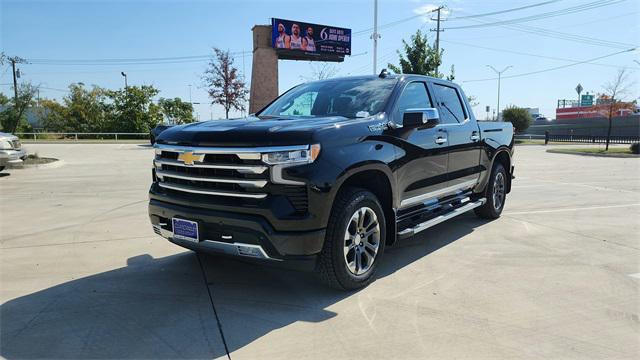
{"x":383,"y":74}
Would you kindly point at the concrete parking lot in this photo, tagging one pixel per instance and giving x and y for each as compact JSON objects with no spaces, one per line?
{"x":84,"y":276}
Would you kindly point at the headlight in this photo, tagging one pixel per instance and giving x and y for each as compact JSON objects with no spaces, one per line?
{"x":294,"y":157}
{"x":5,"y":145}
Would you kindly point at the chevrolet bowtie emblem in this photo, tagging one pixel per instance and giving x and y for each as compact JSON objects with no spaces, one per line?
{"x":188,"y":157}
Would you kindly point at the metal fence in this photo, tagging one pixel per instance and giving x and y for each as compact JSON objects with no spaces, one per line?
{"x":591,"y":139}
{"x":529,"y":137}
{"x":82,"y":136}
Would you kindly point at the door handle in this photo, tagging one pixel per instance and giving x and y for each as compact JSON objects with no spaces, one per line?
{"x":441,"y":140}
{"x":475,"y":136}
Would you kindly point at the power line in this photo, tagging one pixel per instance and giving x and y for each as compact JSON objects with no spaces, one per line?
{"x":528,"y":54}
{"x":562,"y":36}
{"x":566,"y":11}
{"x":505,"y":11}
{"x":422,"y":14}
{"x":553,"y":68}
{"x":128,"y":61}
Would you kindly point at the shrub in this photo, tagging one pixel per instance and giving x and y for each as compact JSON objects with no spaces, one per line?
{"x":517,"y":116}
{"x":635,"y":148}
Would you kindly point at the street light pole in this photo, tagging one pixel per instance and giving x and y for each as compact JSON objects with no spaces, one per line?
{"x":125,"y":79}
{"x":375,"y":36}
{"x":499,"y":78}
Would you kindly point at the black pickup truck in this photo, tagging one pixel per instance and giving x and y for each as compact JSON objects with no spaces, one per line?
{"x":330,"y":173}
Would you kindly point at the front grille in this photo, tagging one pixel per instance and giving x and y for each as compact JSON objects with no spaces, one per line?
{"x":223,"y":172}
{"x":217,"y":172}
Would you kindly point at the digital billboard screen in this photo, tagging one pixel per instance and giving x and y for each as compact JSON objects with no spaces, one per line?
{"x":311,"y":39}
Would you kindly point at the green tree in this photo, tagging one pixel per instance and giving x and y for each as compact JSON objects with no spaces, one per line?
{"x":133,"y":110}
{"x":81,"y":110}
{"x":176,"y":111}
{"x":12,"y":118}
{"x":420,"y":58}
{"x":54,"y":116}
{"x":517,"y":116}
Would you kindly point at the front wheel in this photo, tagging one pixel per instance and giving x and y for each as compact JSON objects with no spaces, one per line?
{"x":495,"y":193}
{"x":354,"y":242}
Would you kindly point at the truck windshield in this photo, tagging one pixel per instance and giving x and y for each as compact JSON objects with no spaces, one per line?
{"x":349,"y":98}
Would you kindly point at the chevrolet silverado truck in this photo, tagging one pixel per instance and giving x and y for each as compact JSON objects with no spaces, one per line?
{"x":330,"y":173}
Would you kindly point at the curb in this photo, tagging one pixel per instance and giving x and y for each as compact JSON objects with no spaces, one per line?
{"x":52,"y":165}
{"x":561,"y":151}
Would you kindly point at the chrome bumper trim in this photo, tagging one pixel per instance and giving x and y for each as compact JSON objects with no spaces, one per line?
{"x":236,"y":248}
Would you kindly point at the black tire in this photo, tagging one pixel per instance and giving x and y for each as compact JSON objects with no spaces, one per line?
{"x":1,"y":168}
{"x":152,"y":140}
{"x":332,"y":267}
{"x":497,"y":186}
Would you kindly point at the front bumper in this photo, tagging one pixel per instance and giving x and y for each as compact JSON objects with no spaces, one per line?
{"x":12,"y":156}
{"x":239,"y":235}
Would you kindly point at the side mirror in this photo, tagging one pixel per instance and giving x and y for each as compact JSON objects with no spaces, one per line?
{"x":426,"y":118}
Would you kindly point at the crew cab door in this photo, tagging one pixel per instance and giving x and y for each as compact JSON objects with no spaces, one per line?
{"x":463,"y":136}
{"x":423,"y":166}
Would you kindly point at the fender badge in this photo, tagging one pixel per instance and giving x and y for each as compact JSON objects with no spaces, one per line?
{"x":378,"y":127}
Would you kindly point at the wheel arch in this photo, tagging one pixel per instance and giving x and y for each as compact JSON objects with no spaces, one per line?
{"x":503,"y":157}
{"x":378,"y":179}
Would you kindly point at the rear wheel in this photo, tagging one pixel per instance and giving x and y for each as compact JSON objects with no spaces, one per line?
{"x":495,"y":193}
{"x":152,"y":140}
{"x":354,"y":242}
{"x":1,"y":168}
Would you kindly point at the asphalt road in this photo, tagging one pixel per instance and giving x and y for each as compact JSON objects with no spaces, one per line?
{"x":84,"y":276}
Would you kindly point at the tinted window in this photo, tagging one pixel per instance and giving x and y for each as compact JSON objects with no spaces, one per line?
{"x":302,"y":105}
{"x":414,"y":96}
{"x":451,"y":110}
{"x":350,"y":98}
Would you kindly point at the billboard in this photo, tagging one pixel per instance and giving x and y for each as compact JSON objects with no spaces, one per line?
{"x":301,"y":40}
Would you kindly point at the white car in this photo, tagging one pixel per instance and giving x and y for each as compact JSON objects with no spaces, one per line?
{"x":11,"y":150}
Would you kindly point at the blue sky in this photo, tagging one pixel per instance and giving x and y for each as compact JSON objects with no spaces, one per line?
{"x":79,"y":30}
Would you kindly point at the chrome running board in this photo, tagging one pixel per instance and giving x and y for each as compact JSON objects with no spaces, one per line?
{"x":438,"y":219}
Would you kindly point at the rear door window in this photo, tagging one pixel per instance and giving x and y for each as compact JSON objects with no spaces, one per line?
{"x":450,"y":104}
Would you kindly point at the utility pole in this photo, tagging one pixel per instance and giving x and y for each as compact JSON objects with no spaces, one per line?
{"x":437,"y":30}
{"x":15,"y":80}
{"x":499,"y":77}
{"x":375,"y":36}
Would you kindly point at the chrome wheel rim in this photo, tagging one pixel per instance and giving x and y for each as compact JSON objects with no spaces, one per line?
{"x":361,"y":241}
{"x":498,"y":191}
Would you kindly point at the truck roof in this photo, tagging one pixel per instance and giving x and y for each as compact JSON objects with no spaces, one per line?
{"x":372,"y":77}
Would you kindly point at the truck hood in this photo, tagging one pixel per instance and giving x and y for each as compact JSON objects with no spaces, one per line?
{"x":250,"y":131}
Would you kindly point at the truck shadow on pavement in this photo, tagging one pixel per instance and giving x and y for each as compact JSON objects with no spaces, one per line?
{"x":160,"y":308}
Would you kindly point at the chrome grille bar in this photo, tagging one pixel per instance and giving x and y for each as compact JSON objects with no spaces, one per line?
{"x":198,"y":190}
{"x":241,"y":182}
{"x":244,"y":169}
